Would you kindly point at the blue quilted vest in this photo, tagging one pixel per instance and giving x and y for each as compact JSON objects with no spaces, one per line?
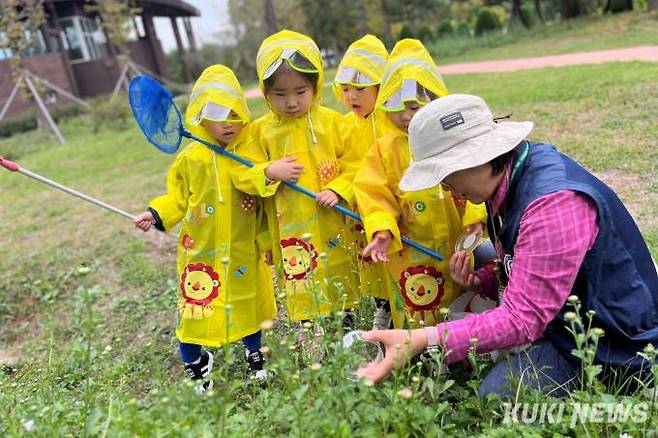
{"x":617,"y":278}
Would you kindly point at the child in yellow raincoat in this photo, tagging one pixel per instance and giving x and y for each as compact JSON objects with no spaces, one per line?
{"x":299,"y":141}
{"x":419,"y":285}
{"x":226,"y":287}
{"x":356,"y":85}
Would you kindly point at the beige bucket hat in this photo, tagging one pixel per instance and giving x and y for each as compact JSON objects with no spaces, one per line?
{"x":453,"y":133}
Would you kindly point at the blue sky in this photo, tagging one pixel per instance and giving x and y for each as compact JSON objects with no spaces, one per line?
{"x":213,"y":19}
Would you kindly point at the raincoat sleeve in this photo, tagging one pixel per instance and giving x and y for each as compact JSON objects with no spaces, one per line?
{"x":171,"y":207}
{"x":377,"y":203}
{"x":474,"y":213}
{"x":252,"y":180}
{"x":349,"y":161}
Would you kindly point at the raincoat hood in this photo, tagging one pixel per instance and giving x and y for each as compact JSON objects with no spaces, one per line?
{"x":217,"y":84}
{"x":369,"y":56}
{"x":410,"y":60}
{"x":272,"y":47}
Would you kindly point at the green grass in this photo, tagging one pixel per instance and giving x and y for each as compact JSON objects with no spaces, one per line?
{"x":88,"y":303}
{"x":555,"y":38}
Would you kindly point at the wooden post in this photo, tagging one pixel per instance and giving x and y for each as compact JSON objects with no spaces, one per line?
{"x":120,"y":80}
{"x":44,"y":110}
{"x":190,"y":35}
{"x":149,"y":29}
{"x":181,"y":50}
{"x":7,"y":104}
{"x":59,"y":90}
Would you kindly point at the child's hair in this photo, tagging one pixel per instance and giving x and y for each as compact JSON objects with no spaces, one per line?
{"x":431,"y":96}
{"x":312,"y":78}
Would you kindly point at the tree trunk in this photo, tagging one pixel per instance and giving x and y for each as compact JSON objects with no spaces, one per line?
{"x":363,"y":25}
{"x":388,"y":37}
{"x":538,"y":11}
{"x":652,"y":5}
{"x":517,"y":15}
{"x":270,"y":17}
{"x":570,"y":9}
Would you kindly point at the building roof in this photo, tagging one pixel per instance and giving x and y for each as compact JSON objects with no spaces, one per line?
{"x":158,"y":8}
{"x":168,"y":8}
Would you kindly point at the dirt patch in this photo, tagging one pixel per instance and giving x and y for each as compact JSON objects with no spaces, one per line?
{"x":9,"y":357}
{"x":634,"y":190}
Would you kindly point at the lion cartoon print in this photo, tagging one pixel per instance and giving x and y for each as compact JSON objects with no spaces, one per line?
{"x":199,"y":287}
{"x":299,"y":258}
{"x":422,"y":288}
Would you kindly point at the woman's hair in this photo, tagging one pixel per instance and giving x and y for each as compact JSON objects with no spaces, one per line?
{"x":312,"y":78}
{"x":499,"y":163}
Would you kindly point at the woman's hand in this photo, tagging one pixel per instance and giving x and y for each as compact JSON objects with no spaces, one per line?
{"x":327,"y":198}
{"x":144,"y":221}
{"x":378,"y":248}
{"x":286,"y":169}
{"x":461,"y":272}
{"x":400,"y":346}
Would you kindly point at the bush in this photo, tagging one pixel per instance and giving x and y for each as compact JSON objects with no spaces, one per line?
{"x":463,"y":30}
{"x":27,"y":120}
{"x":406,"y":32}
{"x":23,"y":122}
{"x":445,"y":29}
{"x":113,"y":113}
{"x":487,"y":21}
{"x":528,"y":12}
{"x":425,"y":34}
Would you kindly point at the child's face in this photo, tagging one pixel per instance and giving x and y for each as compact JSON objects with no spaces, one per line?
{"x":360,"y":100}
{"x":402,"y":118}
{"x":291,"y":94}
{"x":223,"y":131}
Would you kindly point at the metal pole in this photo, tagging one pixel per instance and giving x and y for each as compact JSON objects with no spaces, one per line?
{"x":9,"y":165}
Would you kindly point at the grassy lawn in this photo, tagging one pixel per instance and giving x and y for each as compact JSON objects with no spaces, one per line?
{"x":87,"y":308}
{"x":584,"y":34}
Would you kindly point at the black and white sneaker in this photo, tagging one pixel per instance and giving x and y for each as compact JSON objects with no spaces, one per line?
{"x":199,"y":372}
{"x":256,"y":360}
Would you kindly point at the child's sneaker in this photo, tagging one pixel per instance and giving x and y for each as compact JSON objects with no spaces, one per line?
{"x":199,"y":371}
{"x":256,"y":360}
{"x":381,"y":319}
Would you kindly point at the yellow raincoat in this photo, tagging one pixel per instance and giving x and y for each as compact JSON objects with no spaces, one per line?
{"x":218,"y":261}
{"x":303,"y":232}
{"x":369,"y":56}
{"x":418,"y":285}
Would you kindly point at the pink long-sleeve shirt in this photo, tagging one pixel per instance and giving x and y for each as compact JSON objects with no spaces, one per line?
{"x":555,"y":233}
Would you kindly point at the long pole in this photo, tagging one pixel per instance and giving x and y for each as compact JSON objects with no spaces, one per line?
{"x":14,"y":167}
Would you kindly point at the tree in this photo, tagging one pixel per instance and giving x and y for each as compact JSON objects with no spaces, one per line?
{"x":115,"y":16}
{"x":19,"y":21}
{"x":538,"y":11}
{"x":516,"y":15}
{"x":571,"y":9}
{"x":270,"y":17}
{"x":617,"y":6}
{"x":248,"y":30}
{"x":363,"y":18}
{"x":388,"y":36}
{"x":331,"y":23}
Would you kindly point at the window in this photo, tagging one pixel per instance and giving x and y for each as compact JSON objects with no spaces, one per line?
{"x":83,"y":38}
{"x":38,"y":47}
